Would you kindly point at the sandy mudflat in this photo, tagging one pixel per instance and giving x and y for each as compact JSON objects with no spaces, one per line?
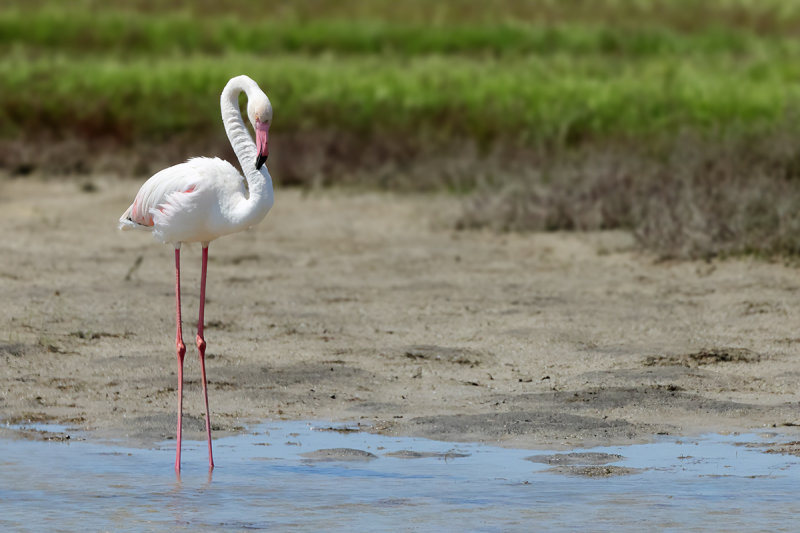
{"x":369,"y":307}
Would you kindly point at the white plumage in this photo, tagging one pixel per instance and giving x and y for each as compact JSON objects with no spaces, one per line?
{"x":192,"y":202}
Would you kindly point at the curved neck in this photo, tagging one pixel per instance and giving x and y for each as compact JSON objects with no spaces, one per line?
{"x":259,"y":182}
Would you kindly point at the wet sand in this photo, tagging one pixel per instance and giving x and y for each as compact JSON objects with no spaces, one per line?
{"x":369,"y":307}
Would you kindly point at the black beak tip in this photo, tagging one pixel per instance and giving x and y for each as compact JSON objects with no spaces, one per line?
{"x":260,"y":160}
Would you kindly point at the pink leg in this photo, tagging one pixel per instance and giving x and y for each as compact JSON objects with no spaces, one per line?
{"x":181,"y":349}
{"x":201,"y":346}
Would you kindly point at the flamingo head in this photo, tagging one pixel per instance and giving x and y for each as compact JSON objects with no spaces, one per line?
{"x":259,"y":111}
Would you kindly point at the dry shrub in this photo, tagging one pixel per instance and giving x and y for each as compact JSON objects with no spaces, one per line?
{"x":690,"y":198}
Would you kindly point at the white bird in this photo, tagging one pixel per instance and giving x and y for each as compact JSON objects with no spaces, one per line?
{"x":205,"y":198}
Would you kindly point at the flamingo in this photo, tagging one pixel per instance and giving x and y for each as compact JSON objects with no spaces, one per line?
{"x":206,"y":198}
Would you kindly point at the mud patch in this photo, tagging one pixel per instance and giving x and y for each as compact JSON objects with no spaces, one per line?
{"x":339,"y":454}
{"x":576,"y":458}
{"x":340,"y":429}
{"x":411,"y":454}
{"x":650,"y":398}
{"x":553,"y":426}
{"x":443,"y":354}
{"x":15,"y":349}
{"x":712,"y":356}
{"x":787,"y":448}
{"x":594,"y":471}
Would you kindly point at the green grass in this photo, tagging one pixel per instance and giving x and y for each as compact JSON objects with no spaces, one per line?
{"x":561,"y":98}
{"x":763,"y":16}
{"x":132,"y":33}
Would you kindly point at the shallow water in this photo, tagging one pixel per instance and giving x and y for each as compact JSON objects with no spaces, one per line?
{"x":263,"y":482}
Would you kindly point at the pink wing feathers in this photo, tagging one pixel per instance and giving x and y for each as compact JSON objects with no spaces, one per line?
{"x":187,"y":202}
{"x":160,"y":195}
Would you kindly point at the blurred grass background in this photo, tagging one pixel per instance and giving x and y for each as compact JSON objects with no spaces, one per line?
{"x":674,"y":119}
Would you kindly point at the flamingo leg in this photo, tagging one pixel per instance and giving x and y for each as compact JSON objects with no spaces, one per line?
{"x":201,"y":347}
{"x":181,"y":350}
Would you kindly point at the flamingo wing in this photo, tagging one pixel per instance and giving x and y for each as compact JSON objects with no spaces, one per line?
{"x":186,"y":202}
{"x":162,"y":191}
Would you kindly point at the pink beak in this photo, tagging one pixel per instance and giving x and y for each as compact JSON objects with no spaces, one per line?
{"x":262,"y":143}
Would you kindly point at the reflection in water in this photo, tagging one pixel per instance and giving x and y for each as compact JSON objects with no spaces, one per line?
{"x":181,"y":496}
{"x":264,"y":481}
